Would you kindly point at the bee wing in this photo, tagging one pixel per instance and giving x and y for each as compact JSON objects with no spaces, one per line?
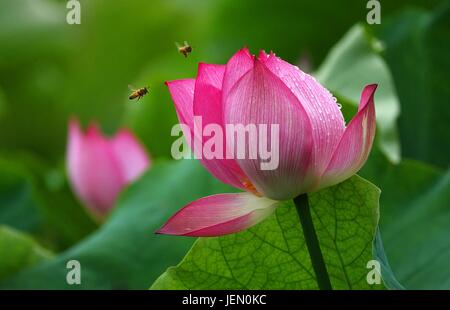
{"x":178,"y":45}
{"x":186,"y":43}
{"x":131,"y":88}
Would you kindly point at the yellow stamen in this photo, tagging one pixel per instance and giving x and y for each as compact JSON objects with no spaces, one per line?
{"x":250,"y":187}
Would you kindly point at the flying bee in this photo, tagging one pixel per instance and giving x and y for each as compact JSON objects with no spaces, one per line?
{"x":185,"y":49}
{"x":137,"y":93}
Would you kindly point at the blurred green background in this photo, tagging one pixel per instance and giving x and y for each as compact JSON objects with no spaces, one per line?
{"x":50,"y":70}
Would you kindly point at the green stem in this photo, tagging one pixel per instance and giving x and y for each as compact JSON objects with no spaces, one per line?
{"x":312,"y":243}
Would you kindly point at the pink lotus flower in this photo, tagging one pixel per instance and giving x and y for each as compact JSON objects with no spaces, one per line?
{"x":316,"y":149}
{"x":99,"y":167}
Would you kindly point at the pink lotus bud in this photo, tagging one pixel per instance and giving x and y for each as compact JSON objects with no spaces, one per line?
{"x":316,"y":148}
{"x":100,"y":167}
